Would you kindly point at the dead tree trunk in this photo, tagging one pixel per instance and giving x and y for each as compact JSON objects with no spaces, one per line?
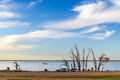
{"x":83,"y":65}
{"x":73,"y":59}
{"x":16,"y":65}
{"x":100,"y":61}
{"x":86,"y":61}
{"x":78,"y":58}
{"x":66,"y":63}
{"x":94,"y":60}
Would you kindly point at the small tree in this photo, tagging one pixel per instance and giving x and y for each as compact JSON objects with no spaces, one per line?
{"x":101,"y":58}
{"x":106,"y":59}
{"x":102,"y":61}
{"x":66,"y":63}
{"x":16,"y":65}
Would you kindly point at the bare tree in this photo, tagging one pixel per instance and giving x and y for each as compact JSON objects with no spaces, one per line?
{"x":94,"y":60}
{"x":77,"y":56}
{"x":16,"y":65}
{"x":83,"y":65}
{"x":102,"y":61}
{"x":106,"y":59}
{"x":73,"y":59}
{"x":101,"y":58}
{"x":86,"y":60}
{"x":76,"y":60}
{"x":66,"y":63}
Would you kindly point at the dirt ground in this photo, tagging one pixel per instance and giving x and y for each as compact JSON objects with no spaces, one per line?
{"x":51,"y":79}
{"x":57,"y":73}
{"x":11,"y":75}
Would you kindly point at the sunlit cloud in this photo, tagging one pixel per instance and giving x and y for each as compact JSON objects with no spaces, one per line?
{"x":10,"y":42}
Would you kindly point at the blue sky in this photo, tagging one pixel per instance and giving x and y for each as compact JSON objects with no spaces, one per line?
{"x":48,"y":29}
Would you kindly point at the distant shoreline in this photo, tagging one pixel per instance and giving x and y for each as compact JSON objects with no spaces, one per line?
{"x":50,"y":60}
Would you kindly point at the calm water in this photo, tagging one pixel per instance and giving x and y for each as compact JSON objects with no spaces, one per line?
{"x":51,"y":65}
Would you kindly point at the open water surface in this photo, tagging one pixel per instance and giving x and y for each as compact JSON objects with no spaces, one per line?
{"x":40,"y":65}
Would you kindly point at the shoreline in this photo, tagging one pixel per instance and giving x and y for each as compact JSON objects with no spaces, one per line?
{"x":50,"y":60}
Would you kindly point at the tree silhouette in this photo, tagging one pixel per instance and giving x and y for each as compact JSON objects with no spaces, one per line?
{"x":102,"y":61}
{"x":94,"y":60}
{"x":72,"y":56}
{"x":86,"y":60}
{"x":66,"y":63}
{"x":77,"y":56}
{"x":16,"y":65}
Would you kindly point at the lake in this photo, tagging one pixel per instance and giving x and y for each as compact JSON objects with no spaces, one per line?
{"x":51,"y":65}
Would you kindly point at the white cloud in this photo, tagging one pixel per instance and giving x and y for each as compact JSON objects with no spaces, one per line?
{"x":89,"y":15}
{"x":33,"y":3}
{"x":49,"y":34}
{"x":9,"y":42}
{"x":6,"y":24}
{"x":101,"y":36}
{"x":5,"y":14}
{"x":92,"y":29}
{"x":7,"y":10}
{"x":116,"y":2}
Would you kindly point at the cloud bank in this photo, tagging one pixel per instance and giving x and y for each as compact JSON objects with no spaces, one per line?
{"x":9,"y":42}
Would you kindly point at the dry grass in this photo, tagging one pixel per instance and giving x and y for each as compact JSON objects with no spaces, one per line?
{"x":112,"y":75}
{"x":6,"y":73}
{"x":46,"y":79}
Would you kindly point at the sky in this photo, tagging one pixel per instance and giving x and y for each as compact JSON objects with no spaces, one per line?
{"x":48,"y":29}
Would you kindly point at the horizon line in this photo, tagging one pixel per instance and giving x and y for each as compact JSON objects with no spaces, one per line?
{"x":49,"y":60}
